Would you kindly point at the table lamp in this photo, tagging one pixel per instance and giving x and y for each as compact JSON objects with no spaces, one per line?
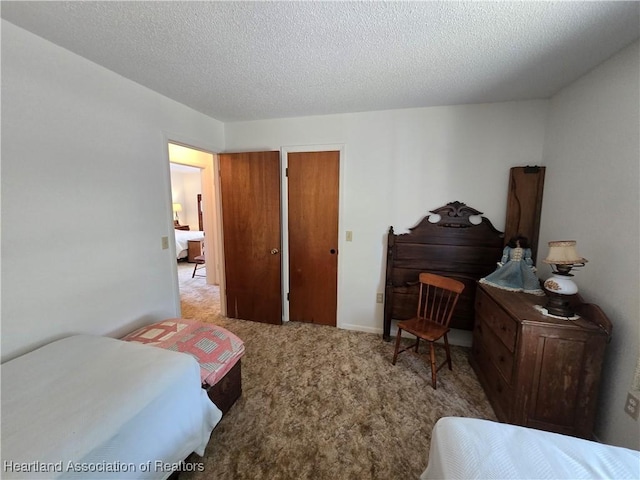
{"x":177,"y":207}
{"x":559,"y":287}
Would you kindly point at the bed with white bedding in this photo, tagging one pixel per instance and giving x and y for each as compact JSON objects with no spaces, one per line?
{"x":96,"y":407}
{"x":182,"y":241}
{"x":469,"y":448}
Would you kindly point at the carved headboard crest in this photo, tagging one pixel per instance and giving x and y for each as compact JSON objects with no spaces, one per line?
{"x":456,"y":214}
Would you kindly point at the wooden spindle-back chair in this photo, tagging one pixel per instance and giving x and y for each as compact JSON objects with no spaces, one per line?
{"x":436,"y":302}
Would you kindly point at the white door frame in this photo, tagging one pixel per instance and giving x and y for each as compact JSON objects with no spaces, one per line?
{"x":211,"y":213}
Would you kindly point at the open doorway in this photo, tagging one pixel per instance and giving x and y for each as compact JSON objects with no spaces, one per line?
{"x":186,"y":186}
{"x":193,"y":195}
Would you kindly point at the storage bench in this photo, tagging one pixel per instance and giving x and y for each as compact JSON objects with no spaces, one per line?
{"x":217,"y":350}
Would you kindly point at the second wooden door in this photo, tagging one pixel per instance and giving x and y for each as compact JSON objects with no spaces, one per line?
{"x":313,"y":186}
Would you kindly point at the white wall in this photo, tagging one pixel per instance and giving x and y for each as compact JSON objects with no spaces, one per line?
{"x":592,"y":196}
{"x":185,"y":187}
{"x":397,"y":166}
{"x":86,"y":195}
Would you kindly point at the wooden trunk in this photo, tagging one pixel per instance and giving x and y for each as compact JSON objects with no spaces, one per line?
{"x":225,"y":393}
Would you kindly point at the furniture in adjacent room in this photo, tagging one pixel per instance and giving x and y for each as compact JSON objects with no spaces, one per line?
{"x":199,"y":263}
{"x":181,"y":227}
{"x":539,"y":371}
{"x":437,"y":301}
{"x":182,"y":241}
{"x":195,"y":248}
{"x":199,"y":203}
{"x":463,"y":448}
{"x":454,"y":241}
{"x":104,"y":404}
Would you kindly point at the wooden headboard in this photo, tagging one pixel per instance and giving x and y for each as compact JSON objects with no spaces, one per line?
{"x":458,"y":243}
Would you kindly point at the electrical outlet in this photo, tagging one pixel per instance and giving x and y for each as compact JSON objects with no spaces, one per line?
{"x":632,"y":407}
{"x":379,"y":298}
{"x":165,"y":243}
{"x":349,"y":236}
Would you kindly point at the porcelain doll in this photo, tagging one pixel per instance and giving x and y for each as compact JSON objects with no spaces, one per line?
{"x":515,"y":271}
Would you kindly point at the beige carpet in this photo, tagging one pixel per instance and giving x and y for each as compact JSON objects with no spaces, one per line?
{"x":323,"y":403}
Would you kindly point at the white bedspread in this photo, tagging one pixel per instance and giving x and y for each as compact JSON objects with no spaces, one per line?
{"x":87,"y":402}
{"x":182,"y":241}
{"x":468,"y":448}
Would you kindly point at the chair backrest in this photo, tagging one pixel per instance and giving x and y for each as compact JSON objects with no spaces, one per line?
{"x":438,"y":297}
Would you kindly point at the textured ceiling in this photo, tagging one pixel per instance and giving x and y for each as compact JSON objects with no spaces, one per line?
{"x":259,"y":60}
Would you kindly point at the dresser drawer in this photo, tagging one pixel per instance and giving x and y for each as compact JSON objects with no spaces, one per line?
{"x":497,"y":389}
{"x":503,"y":326}
{"x":497,"y":353}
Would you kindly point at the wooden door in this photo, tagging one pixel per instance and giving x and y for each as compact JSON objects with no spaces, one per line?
{"x":313,"y":181}
{"x":250,"y":197}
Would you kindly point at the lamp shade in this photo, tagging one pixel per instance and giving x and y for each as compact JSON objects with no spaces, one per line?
{"x":563,"y":252}
{"x":177,"y":207}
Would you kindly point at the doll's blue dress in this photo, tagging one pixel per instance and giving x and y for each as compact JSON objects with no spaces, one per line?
{"x":515,"y":272}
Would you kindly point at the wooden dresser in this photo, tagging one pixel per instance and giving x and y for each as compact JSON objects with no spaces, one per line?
{"x":538,"y":371}
{"x":195,"y":248}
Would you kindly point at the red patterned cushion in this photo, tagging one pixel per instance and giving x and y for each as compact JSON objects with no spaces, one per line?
{"x":215,"y":348}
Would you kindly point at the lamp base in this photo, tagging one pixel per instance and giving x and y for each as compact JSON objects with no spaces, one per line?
{"x":559,"y":305}
{"x":560,"y":290}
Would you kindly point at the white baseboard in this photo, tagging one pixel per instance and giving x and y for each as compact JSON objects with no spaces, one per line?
{"x":461,"y":338}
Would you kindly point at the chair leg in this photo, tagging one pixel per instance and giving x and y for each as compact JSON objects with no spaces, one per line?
{"x":195,"y":267}
{"x":395,"y":353}
{"x":446,"y":347}
{"x":434,"y":369}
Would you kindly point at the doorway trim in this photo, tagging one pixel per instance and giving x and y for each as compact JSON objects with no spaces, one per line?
{"x":284,"y":206}
{"x":212,"y":224}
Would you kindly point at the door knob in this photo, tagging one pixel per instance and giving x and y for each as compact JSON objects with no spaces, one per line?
{"x":274,"y":251}
{"x":333,"y":251}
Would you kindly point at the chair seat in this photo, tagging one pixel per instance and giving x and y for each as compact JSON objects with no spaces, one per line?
{"x":198,"y":260}
{"x":424,"y":329}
